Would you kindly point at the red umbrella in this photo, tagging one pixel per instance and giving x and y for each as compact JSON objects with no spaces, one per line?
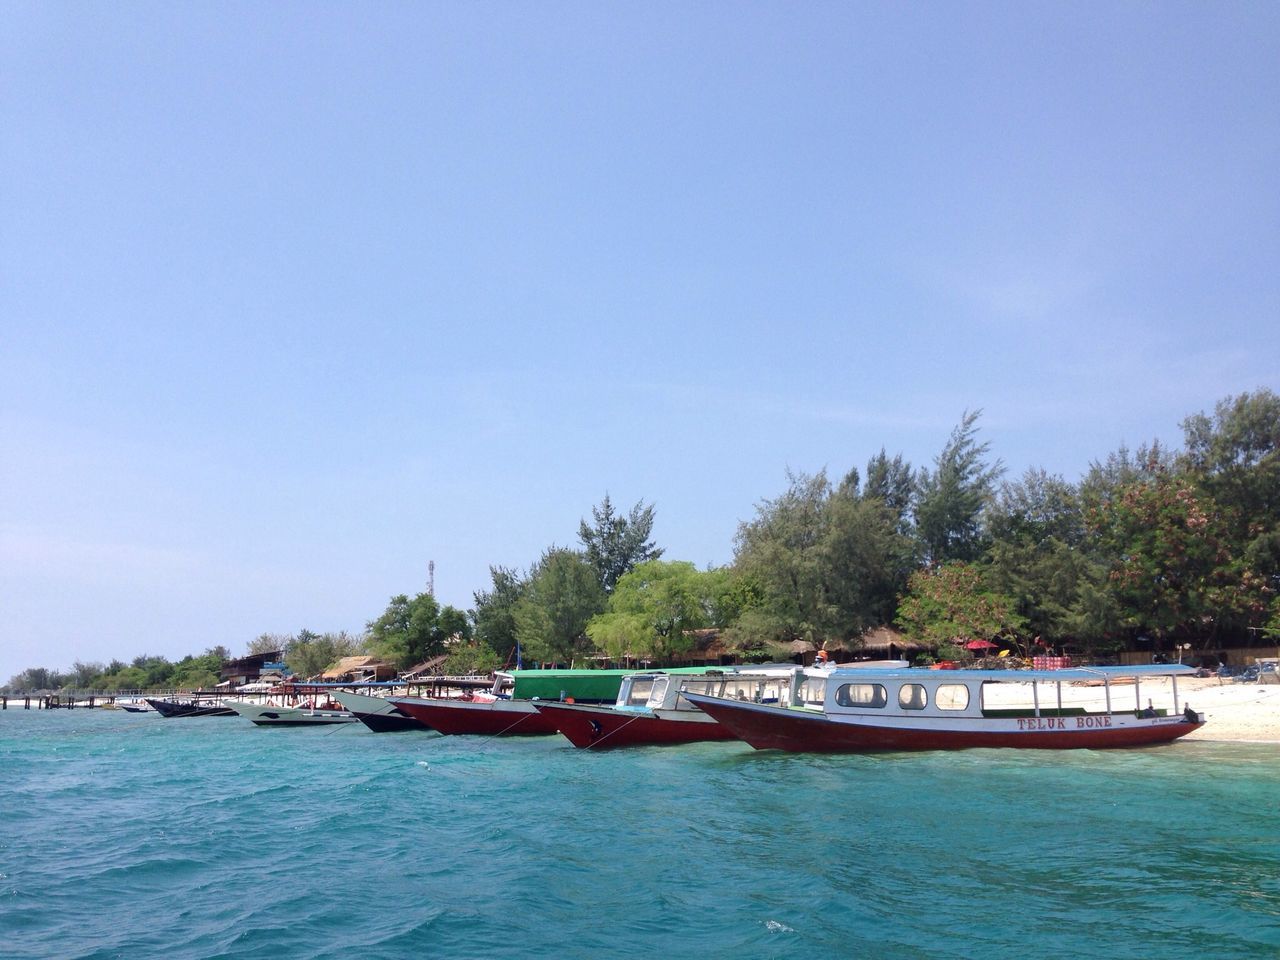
{"x":980,"y":645}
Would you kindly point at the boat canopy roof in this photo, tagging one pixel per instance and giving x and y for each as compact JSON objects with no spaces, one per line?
{"x":1069,"y":675}
{"x":580,"y":684}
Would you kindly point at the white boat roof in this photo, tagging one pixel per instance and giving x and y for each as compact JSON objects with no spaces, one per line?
{"x":1068,"y":675}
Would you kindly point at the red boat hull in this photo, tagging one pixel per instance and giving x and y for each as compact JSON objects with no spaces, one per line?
{"x":498,"y":718}
{"x":796,"y":731}
{"x":604,"y":728}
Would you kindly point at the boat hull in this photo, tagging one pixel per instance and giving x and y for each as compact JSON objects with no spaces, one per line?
{"x":776,"y":728}
{"x":378,"y":713}
{"x":391,"y":722}
{"x":497,"y":718}
{"x":174,"y":710}
{"x":269,"y":716}
{"x":606,"y":728}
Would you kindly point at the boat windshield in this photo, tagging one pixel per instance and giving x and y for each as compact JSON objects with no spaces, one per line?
{"x":812,"y":692}
{"x":756,"y":689}
{"x":659,"y":691}
{"x":636,"y":690}
{"x":707,"y":686}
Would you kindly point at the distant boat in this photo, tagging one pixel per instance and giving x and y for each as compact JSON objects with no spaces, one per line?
{"x":378,"y":713}
{"x":852,"y":710}
{"x":272,"y":716}
{"x":138,"y":705}
{"x":181,"y":709}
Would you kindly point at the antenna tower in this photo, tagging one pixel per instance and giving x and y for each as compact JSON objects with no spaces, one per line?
{"x":431,"y":578}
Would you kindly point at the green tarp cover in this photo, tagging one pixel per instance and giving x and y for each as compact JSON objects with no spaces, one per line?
{"x":597,"y":685}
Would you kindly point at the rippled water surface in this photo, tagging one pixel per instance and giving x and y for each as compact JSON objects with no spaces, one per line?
{"x":126,"y":835}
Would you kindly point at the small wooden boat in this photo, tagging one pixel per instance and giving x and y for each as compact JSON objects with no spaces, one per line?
{"x":378,"y":713}
{"x":851,"y":710}
{"x":266,"y":715}
{"x":190,"y":708}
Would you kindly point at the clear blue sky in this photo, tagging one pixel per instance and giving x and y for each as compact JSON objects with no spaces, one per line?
{"x":295,"y":298}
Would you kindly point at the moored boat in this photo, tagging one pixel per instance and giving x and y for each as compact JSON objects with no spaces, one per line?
{"x":267,"y":715}
{"x":480,"y":714}
{"x":502,"y":713}
{"x":379,"y":714}
{"x":190,"y":708}
{"x":651,"y":708}
{"x":851,"y":710}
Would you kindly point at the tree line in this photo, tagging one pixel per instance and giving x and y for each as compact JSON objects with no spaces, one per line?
{"x":1151,"y":547}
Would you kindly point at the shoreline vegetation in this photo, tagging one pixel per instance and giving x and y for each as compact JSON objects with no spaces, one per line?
{"x":1153,"y":553}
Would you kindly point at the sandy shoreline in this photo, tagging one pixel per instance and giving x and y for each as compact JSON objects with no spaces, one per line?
{"x":1234,"y":711}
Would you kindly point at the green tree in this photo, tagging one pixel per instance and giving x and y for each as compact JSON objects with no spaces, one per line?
{"x":155,"y":671}
{"x":864,"y":562}
{"x":126,"y":678}
{"x":1172,"y":567}
{"x":621,"y":636}
{"x":36,"y":678}
{"x":951,"y":603}
{"x":268,"y":643}
{"x":893,"y":483}
{"x":614,"y":544}
{"x":411,"y":631}
{"x":1234,"y":457}
{"x":953,"y":496}
{"x":1037,"y":558}
{"x":310,"y":654}
{"x":199,"y":673}
{"x":470,"y":657}
{"x":1107,"y":479}
{"x":561,"y":596}
{"x":494,"y":613}
{"x":782,"y":552}
{"x":85,"y":676}
{"x":653,"y":608}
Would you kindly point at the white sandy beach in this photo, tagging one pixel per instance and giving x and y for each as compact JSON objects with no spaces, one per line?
{"x":1233,"y":711}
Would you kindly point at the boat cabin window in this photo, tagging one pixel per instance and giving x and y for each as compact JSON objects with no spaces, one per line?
{"x":771,"y":690}
{"x":912,"y":696}
{"x":638,"y":693}
{"x":951,"y":696}
{"x":861,"y":695}
{"x":659,"y":689}
{"x":709,"y":688}
{"x":813,"y":692}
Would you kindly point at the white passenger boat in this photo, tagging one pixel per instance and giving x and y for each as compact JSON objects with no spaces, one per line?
{"x":852,"y":710}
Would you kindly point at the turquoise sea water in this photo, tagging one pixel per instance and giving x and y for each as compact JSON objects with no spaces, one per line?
{"x":126,"y":835}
